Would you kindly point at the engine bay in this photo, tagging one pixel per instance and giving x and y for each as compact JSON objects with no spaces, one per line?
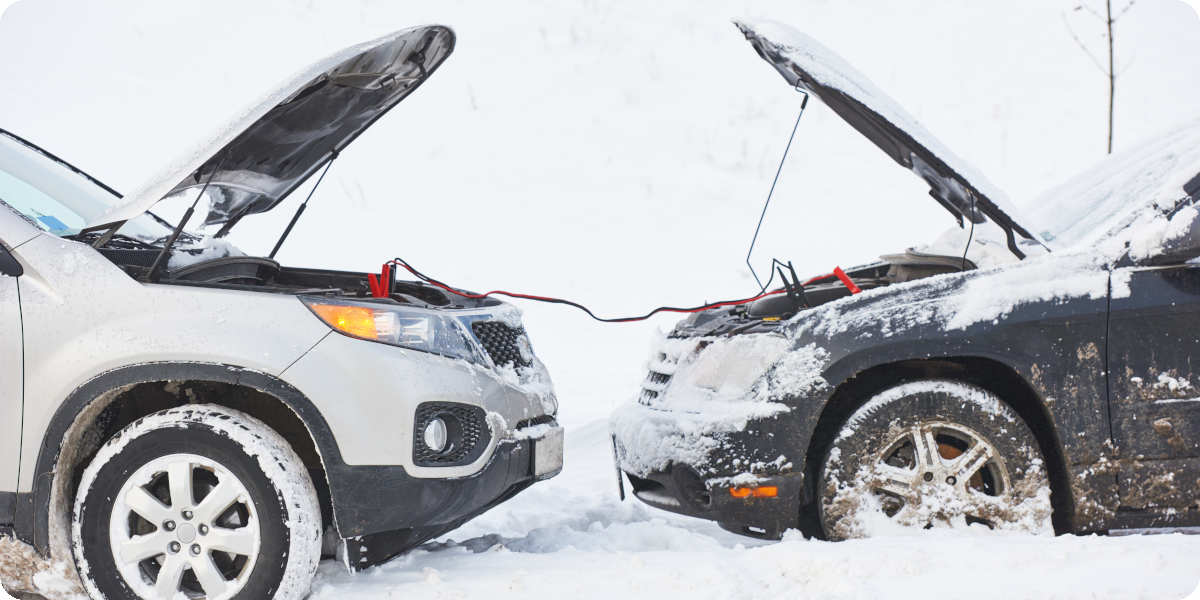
{"x":262,"y":274}
{"x":769,"y":312}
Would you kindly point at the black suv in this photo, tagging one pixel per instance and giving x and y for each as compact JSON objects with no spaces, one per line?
{"x":1011,"y":376}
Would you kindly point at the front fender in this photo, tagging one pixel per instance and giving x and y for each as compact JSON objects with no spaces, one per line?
{"x":34,"y":523}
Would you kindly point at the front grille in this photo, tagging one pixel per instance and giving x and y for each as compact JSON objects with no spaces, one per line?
{"x":506,"y":345}
{"x":663,"y":365}
{"x":467,"y":430}
{"x":661,"y":371}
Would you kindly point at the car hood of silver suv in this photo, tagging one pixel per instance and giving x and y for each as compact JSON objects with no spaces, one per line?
{"x":253,"y":163}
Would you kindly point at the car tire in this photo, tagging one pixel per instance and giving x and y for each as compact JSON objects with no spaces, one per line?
{"x":929,"y":454}
{"x":198,"y":499}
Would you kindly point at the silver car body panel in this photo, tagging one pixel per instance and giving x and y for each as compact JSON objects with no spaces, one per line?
{"x":14,"y":229}
{"x":10,"y":382}
{"x":83,"y":316}
{"x":371,"y":414}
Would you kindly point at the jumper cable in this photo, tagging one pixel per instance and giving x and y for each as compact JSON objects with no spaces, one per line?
{"x":381,"y":287}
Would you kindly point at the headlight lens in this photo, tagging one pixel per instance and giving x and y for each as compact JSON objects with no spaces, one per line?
{"x":729,"y":367}
{"x":404,"y":326}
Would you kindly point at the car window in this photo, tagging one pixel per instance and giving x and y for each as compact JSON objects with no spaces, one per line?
{"x":52,"y":196}
{"x":43,"y":210}
{"x":1107,"y":197}
{"x":57,"y":199}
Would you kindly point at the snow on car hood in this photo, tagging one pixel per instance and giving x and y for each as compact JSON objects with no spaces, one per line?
{"x":264,"y":154}
{"x":811,"y":67}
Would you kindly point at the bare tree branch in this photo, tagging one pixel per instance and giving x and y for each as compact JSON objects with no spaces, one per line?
{"x":1124,"y":10}
{"x":1125,"y":67}
{"x":1109,"y":19}
{"x":1090,"y":10}
{"x":1082,"y":46}
{"x":1112,"y":75}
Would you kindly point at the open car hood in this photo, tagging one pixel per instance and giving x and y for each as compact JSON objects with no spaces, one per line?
{"x":809,"y":66}
{"x":253,"y":163}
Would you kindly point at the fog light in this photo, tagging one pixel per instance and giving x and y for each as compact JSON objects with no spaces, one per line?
{"x":436,"y":435}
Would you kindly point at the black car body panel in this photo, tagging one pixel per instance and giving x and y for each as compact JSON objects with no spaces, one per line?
{"x":389,"y":512}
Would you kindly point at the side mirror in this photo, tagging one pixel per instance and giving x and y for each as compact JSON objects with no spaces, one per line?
{"x":8,"y":264}
{"x":1176,"y":242}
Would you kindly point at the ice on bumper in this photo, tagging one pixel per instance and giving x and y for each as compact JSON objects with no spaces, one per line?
{"x":700,"y":389}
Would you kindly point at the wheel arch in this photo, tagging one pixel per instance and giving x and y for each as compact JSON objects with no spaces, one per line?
{"x":985,"y":372}
{"x":102,"y":406}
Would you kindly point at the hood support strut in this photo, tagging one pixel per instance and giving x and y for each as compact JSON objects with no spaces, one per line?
{"x":333,"y":154}
{"x":153,"y":275}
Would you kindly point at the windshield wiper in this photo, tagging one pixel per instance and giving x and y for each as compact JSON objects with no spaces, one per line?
{"x":109,"y":237}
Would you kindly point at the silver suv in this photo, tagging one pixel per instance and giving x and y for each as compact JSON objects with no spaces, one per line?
{"x":178,"y":417}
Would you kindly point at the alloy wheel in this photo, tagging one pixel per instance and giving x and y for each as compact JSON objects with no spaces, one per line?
{"x":939,"y":472}
{"x":184,"y":524}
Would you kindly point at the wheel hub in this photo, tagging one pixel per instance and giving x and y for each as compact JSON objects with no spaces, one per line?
{"x":186,"y":533}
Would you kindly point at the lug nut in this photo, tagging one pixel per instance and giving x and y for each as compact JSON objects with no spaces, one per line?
{"x":951,"y":480}
{"x":196,"y":549}
{"x":169,"y":525}
{"x":929,"y":477}
{"x":187,"y":515}
{"x":174,"y":547}
{"x":204,"y":530}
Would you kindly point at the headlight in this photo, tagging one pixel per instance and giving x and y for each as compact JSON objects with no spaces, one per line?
{"x":730,"y":366}
{"x":404,"y":326}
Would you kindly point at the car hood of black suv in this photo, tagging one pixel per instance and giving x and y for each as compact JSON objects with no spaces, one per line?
{"x":1091,"y":222}
{"x":254,"y":162}
{"x":810,"y":67}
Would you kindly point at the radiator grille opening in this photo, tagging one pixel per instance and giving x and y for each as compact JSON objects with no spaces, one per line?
{"x":505,"y":345}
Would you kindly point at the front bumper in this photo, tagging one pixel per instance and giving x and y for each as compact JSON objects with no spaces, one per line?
{"x":687,"y":463}
{"x":385,"y":511}
{"x":681,"y":490}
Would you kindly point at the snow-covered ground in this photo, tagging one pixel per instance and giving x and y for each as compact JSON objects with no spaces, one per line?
{"x":570,"y":537}
{"x":618,"y":153}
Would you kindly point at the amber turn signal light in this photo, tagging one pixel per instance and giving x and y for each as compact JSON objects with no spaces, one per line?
{"x":766,"y":491}
{"x":354,"y":320}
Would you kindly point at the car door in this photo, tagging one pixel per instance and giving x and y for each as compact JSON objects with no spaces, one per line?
{"x":1154,"y":382}
{"x":11,"y":376}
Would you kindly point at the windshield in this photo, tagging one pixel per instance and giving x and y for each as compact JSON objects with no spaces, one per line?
{"x":55,"y":198}
{"x":1109,"y":196}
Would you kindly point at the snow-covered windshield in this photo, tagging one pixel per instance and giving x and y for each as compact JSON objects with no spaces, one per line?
{"x":55,"y":198}
{"x":1108,"y":197}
